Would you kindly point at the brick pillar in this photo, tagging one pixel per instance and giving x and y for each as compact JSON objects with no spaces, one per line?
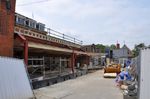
{"x":7,"y":19}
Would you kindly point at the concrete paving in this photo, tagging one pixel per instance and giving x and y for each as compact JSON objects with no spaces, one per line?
{"x":90,"y":86}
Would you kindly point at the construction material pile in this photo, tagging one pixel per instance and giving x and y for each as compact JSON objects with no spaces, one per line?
{"x":127,"y":79}
{"x":112,"y":70}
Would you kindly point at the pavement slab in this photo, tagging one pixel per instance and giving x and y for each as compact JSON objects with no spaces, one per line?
{"x":90,"y":86}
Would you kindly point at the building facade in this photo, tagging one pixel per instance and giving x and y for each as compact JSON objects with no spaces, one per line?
{"x":48,"y":54}
{"x":91,"y":48}
{"x":46,"y":50}
{"x":122,"y":54}
{"x":95,"y":54}
{"x":7,"y":16}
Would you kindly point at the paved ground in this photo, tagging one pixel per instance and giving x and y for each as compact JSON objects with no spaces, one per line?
{"x":91,"y":86}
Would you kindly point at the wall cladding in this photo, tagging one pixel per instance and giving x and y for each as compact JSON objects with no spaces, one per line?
{"x":15,"y":82}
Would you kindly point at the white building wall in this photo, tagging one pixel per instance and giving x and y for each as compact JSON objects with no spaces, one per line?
{"x":120,"y":53}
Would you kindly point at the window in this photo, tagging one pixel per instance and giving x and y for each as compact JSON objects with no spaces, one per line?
{"x":8,"y":4}
{"x":20,"y":20}
{"x":32,"y":24}
{"x":40,"y":26}
{"x":27,"y":22}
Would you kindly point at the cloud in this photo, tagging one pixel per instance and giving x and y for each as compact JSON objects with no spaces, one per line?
{"x":96,"y":21}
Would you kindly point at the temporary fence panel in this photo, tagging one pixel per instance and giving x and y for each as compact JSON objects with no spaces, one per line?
{"x":14,"y":82}
{"x":144,"y":83}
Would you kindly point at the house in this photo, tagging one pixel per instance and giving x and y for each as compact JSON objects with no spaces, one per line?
{"x":122,"y":54}
{"x":91,"y":48}
{"x":94,"y":52}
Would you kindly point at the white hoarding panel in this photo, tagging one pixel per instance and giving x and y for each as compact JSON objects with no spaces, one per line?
{"x":144,"y":90}
{"x":14,"y":82}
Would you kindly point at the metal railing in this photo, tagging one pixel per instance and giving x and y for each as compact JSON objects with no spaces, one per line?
{"x":54,"y":33}
{"x":63,"y":36}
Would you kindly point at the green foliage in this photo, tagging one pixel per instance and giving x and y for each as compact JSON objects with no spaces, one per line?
{"x":103,"y":47}
{"x":113,"y":46}
{"x":141,"y":45}
{"x":135,"y":52}
{"x":137,"y":48}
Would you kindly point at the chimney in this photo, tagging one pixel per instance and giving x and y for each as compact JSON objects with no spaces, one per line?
{"x":118,"y":46}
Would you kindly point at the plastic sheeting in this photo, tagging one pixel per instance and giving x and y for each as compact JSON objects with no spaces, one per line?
{"x":14,"y":82}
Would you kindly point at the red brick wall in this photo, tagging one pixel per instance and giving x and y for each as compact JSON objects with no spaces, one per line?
{"x":7,"y":18}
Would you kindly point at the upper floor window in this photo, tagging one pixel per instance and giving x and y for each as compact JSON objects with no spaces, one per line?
{"x":20,"y":20}
{"x":40,"y":26}
{"x":32,"y":24}
{"x":8,"y":4}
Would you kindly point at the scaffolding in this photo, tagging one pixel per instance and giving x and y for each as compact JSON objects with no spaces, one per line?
{"x":63,"y":64}
{"x":36,"y":65}
{"x":47,"y":67}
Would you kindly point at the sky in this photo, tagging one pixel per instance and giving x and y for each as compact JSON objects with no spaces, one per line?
{"x":94,"y":21}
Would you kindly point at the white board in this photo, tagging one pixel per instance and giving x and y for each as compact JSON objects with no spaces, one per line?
{"x":14,"y":82}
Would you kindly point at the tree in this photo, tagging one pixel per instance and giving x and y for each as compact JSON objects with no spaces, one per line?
{"x":112,"y":46}
{"x":137,"y":48}
{"x":102,"y":47}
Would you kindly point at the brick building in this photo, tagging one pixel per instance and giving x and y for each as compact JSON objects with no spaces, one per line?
{"x":47,"y":53}
{"x":95,"y":54}
{"x":7,"y":16}
{"x":91,"y":48}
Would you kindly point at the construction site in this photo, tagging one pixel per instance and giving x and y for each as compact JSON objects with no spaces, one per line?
{"x":38,"y":62}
